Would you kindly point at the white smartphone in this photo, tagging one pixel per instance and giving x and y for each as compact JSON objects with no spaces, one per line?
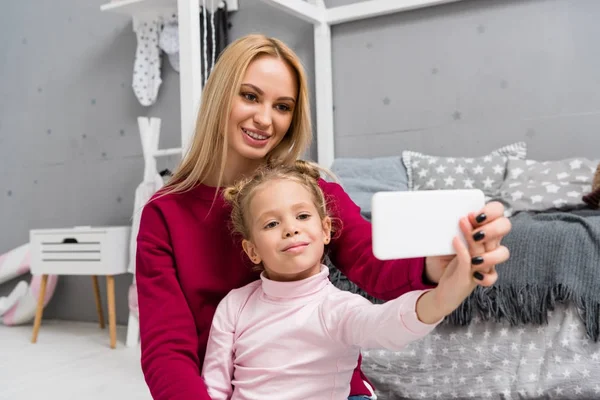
{"x":420,"y":223}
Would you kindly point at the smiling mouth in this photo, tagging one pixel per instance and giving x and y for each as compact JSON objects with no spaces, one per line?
{"x":295,"y":246}
{"x":255,"y":135}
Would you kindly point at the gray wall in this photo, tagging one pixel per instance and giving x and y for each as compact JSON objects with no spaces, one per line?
{"x":464,"y":78}
{"x":69,"y":146}
{"x":456,"y":79}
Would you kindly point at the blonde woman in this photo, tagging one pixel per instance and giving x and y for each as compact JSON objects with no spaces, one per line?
{"x":254,"y":110}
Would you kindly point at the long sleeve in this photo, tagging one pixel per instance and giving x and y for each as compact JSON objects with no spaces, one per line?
{"x":217,"y":370}
{"x":352,"y":252}
{"x":169,"y":339}
{"x":354,"y":321}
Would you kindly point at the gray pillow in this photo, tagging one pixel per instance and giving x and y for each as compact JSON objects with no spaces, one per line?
{"x":539,"y":186}
{"x":363,"y":177}
{"x":428,"y":172}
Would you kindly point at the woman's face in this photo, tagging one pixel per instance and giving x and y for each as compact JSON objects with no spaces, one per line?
{"x":262,"y":110}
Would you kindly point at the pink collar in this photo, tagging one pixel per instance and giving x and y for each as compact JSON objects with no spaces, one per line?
{"x":276,"y":290}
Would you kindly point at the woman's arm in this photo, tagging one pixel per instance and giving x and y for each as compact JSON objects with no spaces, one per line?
{"x":169,"y":339}
{"x":351,"y":251}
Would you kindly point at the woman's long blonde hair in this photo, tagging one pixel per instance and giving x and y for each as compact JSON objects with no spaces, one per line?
{"x":209,"y":145}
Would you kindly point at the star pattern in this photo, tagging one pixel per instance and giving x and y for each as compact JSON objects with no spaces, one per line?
{"x":492,"y":360}
{"x":435,"y":173}
{"x":538,"y":186}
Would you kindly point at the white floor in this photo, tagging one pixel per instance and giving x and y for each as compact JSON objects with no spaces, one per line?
{"x":70,"y":361}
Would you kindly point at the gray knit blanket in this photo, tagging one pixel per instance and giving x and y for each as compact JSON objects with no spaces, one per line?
{"x":555,"y":257}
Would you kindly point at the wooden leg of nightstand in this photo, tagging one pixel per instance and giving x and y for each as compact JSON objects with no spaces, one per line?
{"x":40,"y":309}
{"x":112,"y":315}
{"x":98,"y":301}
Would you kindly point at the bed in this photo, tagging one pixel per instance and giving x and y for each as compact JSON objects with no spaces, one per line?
{"x":536,"y":333}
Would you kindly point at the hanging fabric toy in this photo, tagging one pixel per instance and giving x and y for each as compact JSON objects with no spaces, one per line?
{"x":146,"y":68}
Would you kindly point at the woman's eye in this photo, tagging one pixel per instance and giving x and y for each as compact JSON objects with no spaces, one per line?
{"x":304,"y":216}
{"x":249,"y":96}
{"x":283,"y":107}
{"x":271,"y":225}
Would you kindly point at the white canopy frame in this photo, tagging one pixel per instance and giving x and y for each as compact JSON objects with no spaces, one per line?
{"x":315,"y":12}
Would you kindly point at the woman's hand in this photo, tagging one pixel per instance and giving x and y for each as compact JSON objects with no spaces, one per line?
{"x":484,"y":231}
{"x":462,"y":274}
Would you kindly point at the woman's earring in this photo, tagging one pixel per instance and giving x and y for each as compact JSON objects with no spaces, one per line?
{"x":327,"y":240}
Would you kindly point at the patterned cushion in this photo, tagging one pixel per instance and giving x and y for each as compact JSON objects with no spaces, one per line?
{"x":538,"y":186}
{"x":427,"y":172}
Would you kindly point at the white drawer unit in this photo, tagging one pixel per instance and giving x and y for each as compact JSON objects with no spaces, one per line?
{"x":80,"y":251}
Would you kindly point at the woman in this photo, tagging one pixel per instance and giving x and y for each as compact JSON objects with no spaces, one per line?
{"x":254,"y":110}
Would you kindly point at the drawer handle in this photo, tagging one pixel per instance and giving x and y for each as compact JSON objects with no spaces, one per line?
{"x":70,"y":240}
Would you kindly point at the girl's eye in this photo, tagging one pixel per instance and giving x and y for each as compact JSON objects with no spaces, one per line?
{"x":271,"y":225}
{"x":249,"y":96}
{"x":283,"y":107}
{"x":303,"y":216}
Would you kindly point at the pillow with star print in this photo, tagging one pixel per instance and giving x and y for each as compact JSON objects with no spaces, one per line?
{"x":428,"y":172}
{"x":547,"y":185}
{"x":446,"y":173}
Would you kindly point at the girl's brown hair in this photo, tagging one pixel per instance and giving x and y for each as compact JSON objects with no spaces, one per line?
{"x":240,"y":195}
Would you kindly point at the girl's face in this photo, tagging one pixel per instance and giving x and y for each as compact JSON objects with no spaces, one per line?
{"x":287,"y":233}
{"x":262,"y":111}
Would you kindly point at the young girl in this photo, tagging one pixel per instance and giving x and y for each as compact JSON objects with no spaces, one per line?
{"x":292,"y":335}
{"x":254,"y":110}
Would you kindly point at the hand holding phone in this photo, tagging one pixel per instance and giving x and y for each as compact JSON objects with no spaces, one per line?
{"x":411,"y":224}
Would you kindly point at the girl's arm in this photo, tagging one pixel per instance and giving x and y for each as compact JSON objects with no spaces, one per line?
{"x":217,"y":371}
{"x":354,"y":321}
{"x":456,"y":284}
{"x":351,"y":251}
{"x":169,"y":339}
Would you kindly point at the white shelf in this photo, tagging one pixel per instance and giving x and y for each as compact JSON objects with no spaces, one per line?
{"x":376,"y":8}
{"x":300,"y":9}
{"x":137,"y":7}
{"x":168,"y":152}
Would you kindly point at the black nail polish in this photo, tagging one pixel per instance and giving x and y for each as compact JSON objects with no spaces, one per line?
{"x":480,"y":218}
{"x":478,"y":236}
{"x":477,"y":260}
{"x":477,"y":275}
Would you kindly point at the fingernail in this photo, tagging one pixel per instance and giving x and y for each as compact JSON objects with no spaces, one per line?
{"x":478,"y":275}
{"x":477,"y":260}
{"x":480,"y":218}
{"x":478,"y":236}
